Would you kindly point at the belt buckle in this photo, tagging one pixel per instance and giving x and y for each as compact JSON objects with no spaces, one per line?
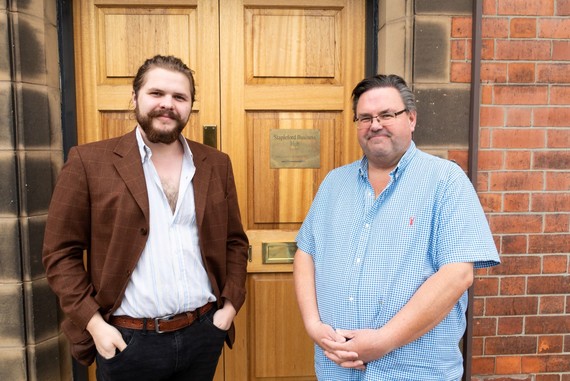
{"x":157,"y":322}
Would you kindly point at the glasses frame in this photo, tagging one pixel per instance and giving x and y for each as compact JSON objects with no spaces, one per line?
{"x":382,"y":119}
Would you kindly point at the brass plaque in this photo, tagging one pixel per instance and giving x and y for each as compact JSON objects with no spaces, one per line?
{"x":295,"y":148}
{"x":278,"y":252}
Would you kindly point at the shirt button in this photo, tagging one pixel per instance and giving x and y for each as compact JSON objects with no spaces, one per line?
{"x":351,"y":299}
{"x":357,"y":260}
{"x":367,"y":226}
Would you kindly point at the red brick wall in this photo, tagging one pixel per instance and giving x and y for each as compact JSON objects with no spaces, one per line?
{"x":522,"y":307}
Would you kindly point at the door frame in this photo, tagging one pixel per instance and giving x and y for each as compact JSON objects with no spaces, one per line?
{"x":68,"y":108}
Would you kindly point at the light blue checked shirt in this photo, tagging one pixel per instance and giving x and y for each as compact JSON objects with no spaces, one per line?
{"x":372,"y":254}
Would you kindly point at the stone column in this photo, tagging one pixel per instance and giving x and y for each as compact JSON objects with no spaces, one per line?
{"x":31,"y":347}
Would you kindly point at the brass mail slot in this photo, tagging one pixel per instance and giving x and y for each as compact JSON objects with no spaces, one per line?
{"x":278,"y":252}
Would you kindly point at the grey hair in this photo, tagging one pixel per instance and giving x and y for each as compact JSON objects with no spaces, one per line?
{"x":381,"y":80}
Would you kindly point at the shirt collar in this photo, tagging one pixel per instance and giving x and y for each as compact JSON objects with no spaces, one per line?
{"x":146,"y":152}
{"x":402,"y":164}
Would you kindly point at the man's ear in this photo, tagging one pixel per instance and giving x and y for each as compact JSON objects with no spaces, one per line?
{"x":134,"y":98}
{"x":412,"y":120}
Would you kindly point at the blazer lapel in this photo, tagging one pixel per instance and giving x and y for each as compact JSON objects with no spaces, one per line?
{"x":127,"y":161}
{"x":201,"y":180}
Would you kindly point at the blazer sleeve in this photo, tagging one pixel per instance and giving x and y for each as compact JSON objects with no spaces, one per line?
{"x":65,"y":240}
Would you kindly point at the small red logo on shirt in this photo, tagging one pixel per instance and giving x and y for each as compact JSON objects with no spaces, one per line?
{"x":411,"y":221}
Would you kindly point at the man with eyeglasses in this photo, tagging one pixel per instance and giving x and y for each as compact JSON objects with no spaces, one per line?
{"x":387,"y":251}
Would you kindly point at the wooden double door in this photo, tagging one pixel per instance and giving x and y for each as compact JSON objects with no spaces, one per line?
{"x":273,"y":80}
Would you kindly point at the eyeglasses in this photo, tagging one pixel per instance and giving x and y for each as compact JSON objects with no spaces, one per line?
{"x":384,"y":119}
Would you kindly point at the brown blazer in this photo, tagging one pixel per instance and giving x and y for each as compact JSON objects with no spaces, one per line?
{"x":100,"y":205}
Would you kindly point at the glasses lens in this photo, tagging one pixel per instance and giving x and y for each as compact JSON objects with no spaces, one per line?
{"x":363,"y":122}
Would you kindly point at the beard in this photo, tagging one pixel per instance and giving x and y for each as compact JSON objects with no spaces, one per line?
{"x":154,"y":135}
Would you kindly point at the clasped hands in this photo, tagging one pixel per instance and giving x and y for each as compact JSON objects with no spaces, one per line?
{"x":349,"y":348}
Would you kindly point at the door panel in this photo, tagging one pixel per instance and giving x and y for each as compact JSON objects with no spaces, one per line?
{"x":282,"y":195}
{"x":262,"y":68}
{"x":285,"y":66}
{"x":277,"y":350}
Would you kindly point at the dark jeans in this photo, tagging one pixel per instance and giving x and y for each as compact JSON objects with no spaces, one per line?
{"x":189,"y":354}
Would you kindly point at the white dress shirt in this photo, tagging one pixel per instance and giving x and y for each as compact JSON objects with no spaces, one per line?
{"x":170,"y":277}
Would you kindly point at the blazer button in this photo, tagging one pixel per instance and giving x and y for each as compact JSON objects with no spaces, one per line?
{"x":144,"y":231}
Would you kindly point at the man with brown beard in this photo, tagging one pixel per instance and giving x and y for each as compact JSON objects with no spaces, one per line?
{"x":158,"y":219}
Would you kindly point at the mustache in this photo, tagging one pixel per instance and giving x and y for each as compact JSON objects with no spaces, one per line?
{"x":379,"y":133}
{"x":169,"y":113}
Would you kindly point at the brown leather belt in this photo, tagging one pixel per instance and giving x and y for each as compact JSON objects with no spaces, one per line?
{"x":163,"y":324}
